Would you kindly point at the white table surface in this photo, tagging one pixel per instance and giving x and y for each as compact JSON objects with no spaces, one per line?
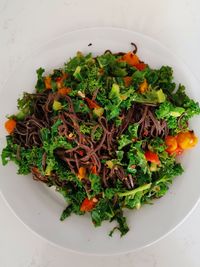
{"x":25,"y":25}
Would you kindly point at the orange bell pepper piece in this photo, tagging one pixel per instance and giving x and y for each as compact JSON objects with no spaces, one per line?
{"x":88,"y":204}
{"x":130,"y":58}
{"x":64,"y":91}
{"x":81,"y":173}
{"x":10,"y":125}
{"x":152,"y":157}
{"x":47,"y":82}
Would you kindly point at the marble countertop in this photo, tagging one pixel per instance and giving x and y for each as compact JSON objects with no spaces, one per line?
{"x":25,"y":25}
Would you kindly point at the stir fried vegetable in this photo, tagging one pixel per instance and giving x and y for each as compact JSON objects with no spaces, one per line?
{"x":105,"y":131}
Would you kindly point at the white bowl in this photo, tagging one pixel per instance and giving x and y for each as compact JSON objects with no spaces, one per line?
{"x":40,"y":207}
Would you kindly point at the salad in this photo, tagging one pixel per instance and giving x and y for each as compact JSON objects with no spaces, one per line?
{"x":106,"y":131}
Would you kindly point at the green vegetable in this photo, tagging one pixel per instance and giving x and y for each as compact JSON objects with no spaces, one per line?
{"x":122,"y":224}
{"x":77,"y":73}
{"x":151,"y":96}
{"x":157,"y":145}
{"x":102,"y":211}
{"x":124,"y":141}
{"x":170,"y":113}
{"x":133,"y":192}
{"x":167,"y":109}
{"x":40,"y":85}
{"x":136,"y":157}
{"x":133,"y":130}
{"x":180,"y":98}
{"x":66,"y":213}
{"x":115,"y":92}
{"x":96,"y":187}
{"x":25,"y":106}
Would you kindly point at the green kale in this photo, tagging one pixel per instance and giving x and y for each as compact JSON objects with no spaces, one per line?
{"x":120,"y":155}
{"x":115,"y":93}
{"x":162,"y":78}
{"x":180,"y":98}
{"x":133,"y":130}
{"x":96,"y":187}
{"x":122,"y":223}
{"x":9,"y":153}
{"x":168,"y":172}
{"x":74,"y":199}
{"x":40,"y":85}
{"x":24,"y":158}
{"x":172,"y":124}
{"x":106,"y":60}
{"x":78,"y":60}
{"x":57,"y":73}
{"x":151,"y":96}
{"x":103,"y":211}
{"x":133,"y":197}
{"x":66,"y":213}
{"x":52,"y":141}
{"x":157,"y":145}
{"x":97,"y":134}
{"x":91,"y":80}
{"x":170,"y":113}
{"x":167,"y":110}
{"x":80,"y":106}
{"x":123,"y":141}
{"x":137,"y":158}
{"x":111,"y":66}
{"x":112,"y":111}
{"x":25,"y":106}
{"x":85,"y":129}
{"x":135,"y":201}
{"x":84,"y":74}
{"x":138,"y":77}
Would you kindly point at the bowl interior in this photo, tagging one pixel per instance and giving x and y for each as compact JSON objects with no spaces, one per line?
{"x":39,"y":207}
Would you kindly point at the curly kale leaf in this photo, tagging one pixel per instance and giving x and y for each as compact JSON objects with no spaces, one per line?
{"x":180,"y":98}
{"x":40,"y":85}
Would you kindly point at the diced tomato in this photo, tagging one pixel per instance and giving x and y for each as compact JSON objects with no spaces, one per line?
{"x":91,"y":104}
{"x":186,"y":140}
{"x":88,"y":204}
{"x":152,"y":157}
{"x":146,"y":132}
{"x":141,"y":66}
{"x":94,"y":169}
{"x":127,"y":80}
{"x":80,"y":152}
{"x":61,"y":78}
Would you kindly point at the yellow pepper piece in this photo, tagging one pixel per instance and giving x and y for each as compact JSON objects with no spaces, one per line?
{"x":143,"y":87}
{"x":81,"y":173}
{"x":57,"y":105}
{"x":47,"y":81}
